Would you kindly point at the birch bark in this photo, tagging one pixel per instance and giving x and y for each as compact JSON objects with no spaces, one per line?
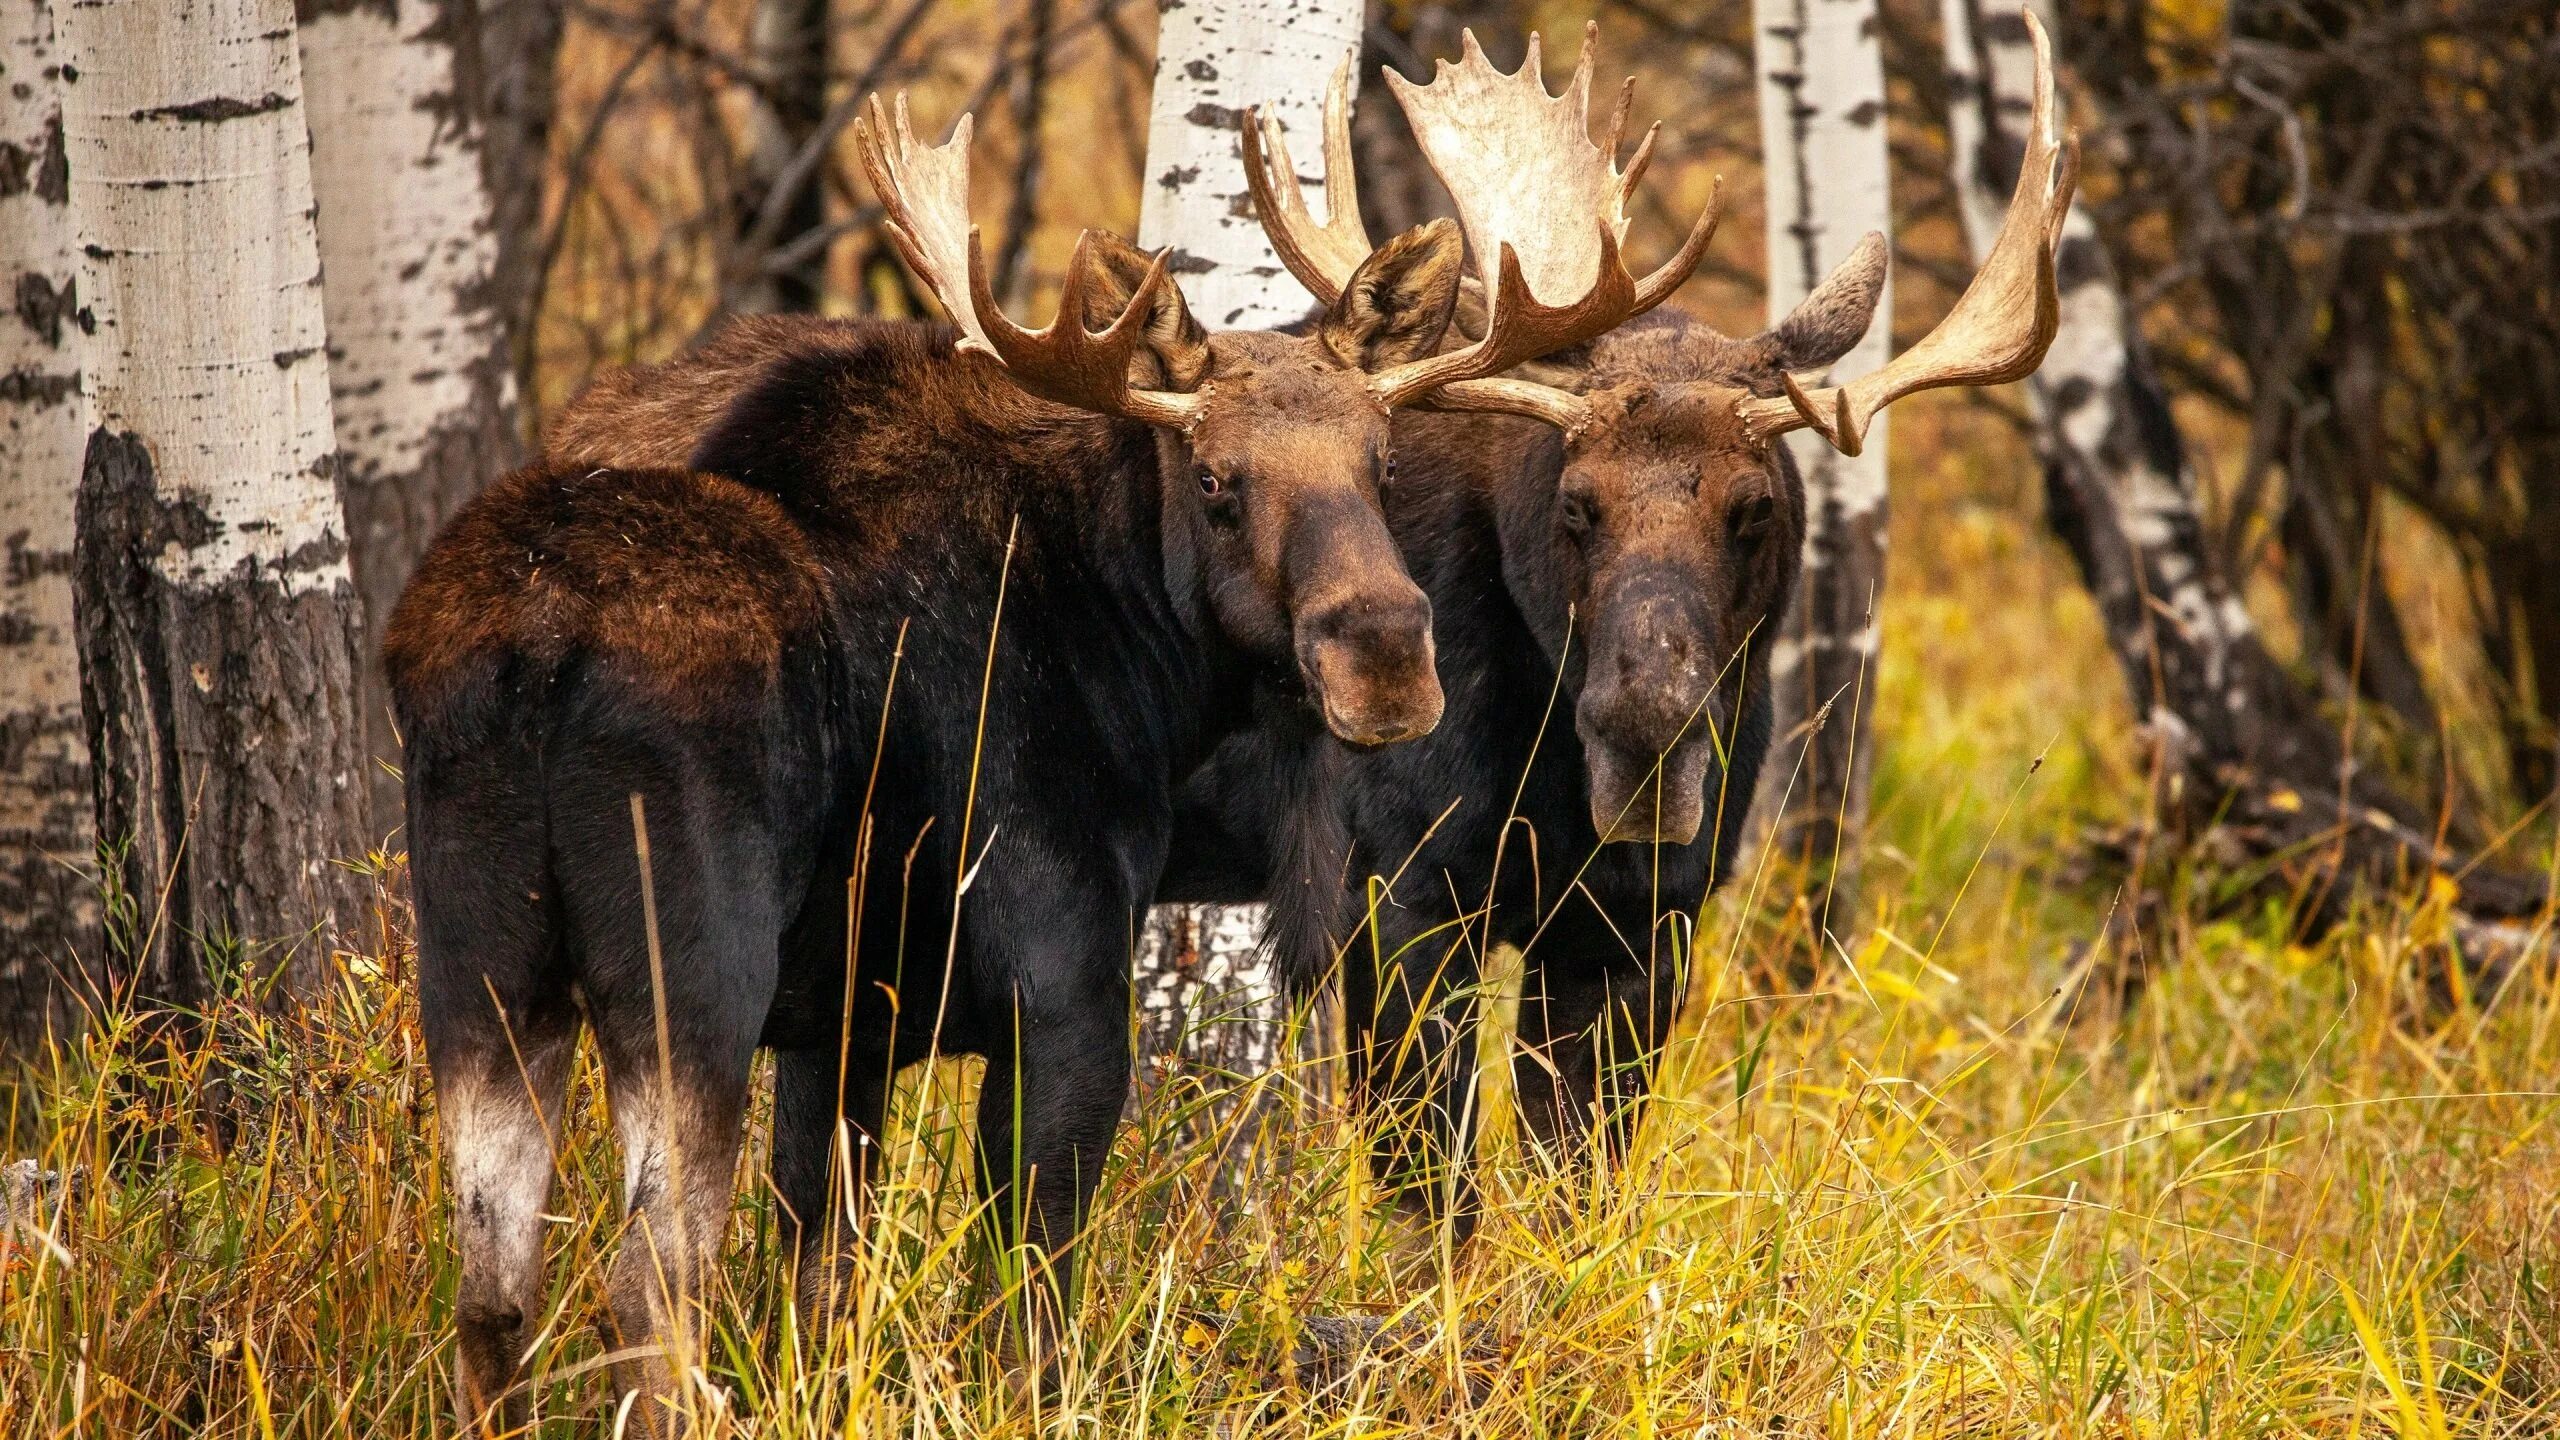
{"x":2240,"y":746}
{"x":1822,"y":127}
{"x":48,"y":901}
{"x":218,"y":622}
{"x":513,"y":53}
{"x":2119,"y":489}
{"x":1208,"y":998}
{"x":1213,"y":60}
{"x":419,"y":367}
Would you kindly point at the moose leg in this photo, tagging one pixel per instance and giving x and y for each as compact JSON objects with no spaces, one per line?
{"x":1052,"y":1096}
{"x":812,"y":1166}
{"x":677,"y":988}
{"x":1590,"y":1037}
{"x":501,"y":1030}
{"x":1412,"y":1009}
{"x":499,"y":1108}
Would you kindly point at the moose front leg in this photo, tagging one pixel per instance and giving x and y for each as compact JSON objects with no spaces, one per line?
{"x":1052,"y":1096}
{"x":1412,"y":1007}
{"x":1590,"y":1037}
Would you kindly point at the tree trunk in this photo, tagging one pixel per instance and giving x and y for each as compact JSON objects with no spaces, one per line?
{"x":507,"y":75}
{"x":218,"y":623}
{"x":2238,"y":745}
{"x":418,"y":355}
{"x":1822,"y":127}
{"x":48,"y":902}
{"x":1208,"y":1001}
{"x":790,"y":39}
{"x":1213,"y":60}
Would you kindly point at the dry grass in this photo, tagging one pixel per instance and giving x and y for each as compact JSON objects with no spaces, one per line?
{"x":2297,"y":1190}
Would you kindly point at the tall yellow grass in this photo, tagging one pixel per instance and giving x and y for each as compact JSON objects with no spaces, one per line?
{"x":2298,"y":1189}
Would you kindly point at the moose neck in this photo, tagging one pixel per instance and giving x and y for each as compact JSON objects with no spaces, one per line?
{"x":929,"y":476}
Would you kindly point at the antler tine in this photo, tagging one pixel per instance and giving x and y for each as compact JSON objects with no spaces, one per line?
{"x":1543,"y":207}
{"x":924,"y":189}
{"x":1322,"y":256}
{"x":2001,"y":325}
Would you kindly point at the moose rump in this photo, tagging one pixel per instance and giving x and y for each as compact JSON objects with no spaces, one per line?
{"x":583,"y":654}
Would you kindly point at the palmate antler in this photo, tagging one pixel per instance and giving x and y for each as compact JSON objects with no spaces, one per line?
{"x":925,"y":190}
{"x":1543,"y":209}
{"x":2001,"y":325}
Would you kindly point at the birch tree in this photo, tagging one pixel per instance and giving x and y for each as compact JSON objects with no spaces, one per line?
{"x":513,"y":88}
{"x":218,"y":623}
{"x":1212,"y":61}
{"x":2237,"y":743}
{"x":1822,"y":128}
{"x":1207,"y":996}
{"x":48,"y":904}
{"x":419,"y":367}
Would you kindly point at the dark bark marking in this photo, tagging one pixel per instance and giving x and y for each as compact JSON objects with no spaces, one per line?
{"x":42,"y":307}
{"x":216,"y":109}
{"x":39,"y":388}
{"x":235,"y":791}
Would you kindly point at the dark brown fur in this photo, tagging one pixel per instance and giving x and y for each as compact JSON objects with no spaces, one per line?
{"x":896,"y":621}
{"x":1629,"y":581}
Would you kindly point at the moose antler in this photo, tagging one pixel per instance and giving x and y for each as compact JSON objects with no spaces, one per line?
{"x":2001,"y":325}
{"x":1322,"y":256}
{"x":1543,"y":209}
{"x":925,"y":191}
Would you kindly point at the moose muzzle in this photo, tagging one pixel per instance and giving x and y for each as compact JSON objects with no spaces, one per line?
{"x":1645,"y":717}
{"x":1368,"y":658}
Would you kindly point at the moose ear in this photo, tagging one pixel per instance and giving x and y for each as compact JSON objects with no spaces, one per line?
{"x":1396,"y":306}
{"x":1176,"y":353}
{"x":1830,"y":322}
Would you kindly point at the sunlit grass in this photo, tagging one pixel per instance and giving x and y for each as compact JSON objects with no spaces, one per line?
{"x":2296,"y":1189}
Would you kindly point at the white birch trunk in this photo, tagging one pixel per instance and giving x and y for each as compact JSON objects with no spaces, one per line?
{"x":419,"y":365}
{"x":2115,"y":466}
{"x":1213,"y":59}
{"x":48,"y":903}
{"x":1208,"y":997}
{"x":1822,"y":126}
{"x":218,"y":621}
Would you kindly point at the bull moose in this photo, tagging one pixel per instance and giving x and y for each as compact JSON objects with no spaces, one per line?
{"x":1627,"y":556}
{"x":856,"y":736}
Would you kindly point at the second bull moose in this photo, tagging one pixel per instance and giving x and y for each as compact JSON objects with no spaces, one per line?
{"x":856,"y":737}
{"x":1628,"y":558}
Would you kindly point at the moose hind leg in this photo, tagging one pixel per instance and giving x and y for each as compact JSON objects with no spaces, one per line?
{"x":677,"y":988}
{"x":812,"y":1168}
{"x":500,"y":1118}
{"x":501,"y":1030}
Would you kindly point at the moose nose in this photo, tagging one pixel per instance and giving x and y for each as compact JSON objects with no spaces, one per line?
{"x":1368,"y":658}
{"x":1650,"y":671}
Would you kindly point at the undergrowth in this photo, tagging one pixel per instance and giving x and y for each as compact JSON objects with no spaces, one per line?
{"x":2303,"y":1185}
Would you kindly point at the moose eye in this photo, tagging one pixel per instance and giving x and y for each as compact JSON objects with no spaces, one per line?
{"x":1387,"y":470}
{"x":1575,"y":512}
{"x":1212,"y":484}
{"x":1751,"y":521}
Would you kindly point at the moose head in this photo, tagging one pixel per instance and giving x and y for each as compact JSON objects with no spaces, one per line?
{"x":1274,"y":446}
{"x":1676,"y":520}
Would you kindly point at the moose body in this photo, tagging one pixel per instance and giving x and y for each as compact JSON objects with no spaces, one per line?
{"x":856,"y":737}
{"x":1603,"y":641}
{"x":1624,"y":567}
{"x":899,"y":624}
